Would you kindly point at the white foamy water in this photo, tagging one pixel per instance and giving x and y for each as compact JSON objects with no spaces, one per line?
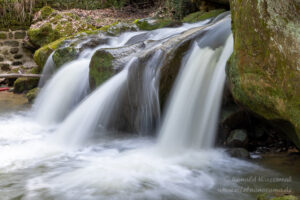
{"x":62,"y":92}
{"x":192,"y":115}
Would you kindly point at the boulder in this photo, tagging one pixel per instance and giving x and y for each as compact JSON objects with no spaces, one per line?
{"x":32,"y":94}
{"x":51,"y":25}
{"x":24,"y":84}
{"x":237,"y":138}
{"x":264,"y":70}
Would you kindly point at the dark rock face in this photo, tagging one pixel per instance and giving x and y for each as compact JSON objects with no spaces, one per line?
{"x":264,"y":71}
{"x":237,"y":138}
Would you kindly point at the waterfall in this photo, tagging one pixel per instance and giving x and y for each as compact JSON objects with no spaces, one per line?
{"x":48,"y":70}
{"x":191,"y":118}
{"x":68,"y":86}
{"x":93,"y":112}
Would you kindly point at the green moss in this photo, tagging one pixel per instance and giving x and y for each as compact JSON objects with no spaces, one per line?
{"x":101,"y":68}
{"x":152,"y":24}
{"x":43,"y":35}
{"x":64,"y":55}
{"x":41,"y":55}
{"x":32,"y":94}
{"x":24,"y":84}
{"x":3,"y":36}
{"x":199,"y":16}
{"x":262,"y":77}
{"x":46,"y":12}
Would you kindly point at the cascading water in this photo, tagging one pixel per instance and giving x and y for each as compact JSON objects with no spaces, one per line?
{"x":37,"y":163}
{"x":191,"y":118}
{"x":48,"y":70}
{"x":83,"y":121}
{"x":68,"y":85}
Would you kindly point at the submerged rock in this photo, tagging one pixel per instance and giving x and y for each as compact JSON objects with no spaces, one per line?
{"x":264,"y":70}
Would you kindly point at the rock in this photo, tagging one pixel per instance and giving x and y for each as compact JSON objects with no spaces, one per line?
{"x":14,"y":50}
{"x":264,"y":70}
{"x":237,"y":138}
{"x":20,"y":35}
{"x":43,"y":35}
{"x":11,"y":43}
{"x":201,"y":15}
{"x":1,"y":58}
{"x":64,"y":55}
{"x":4,"y":67}
{"x":55,"y":25}
{"x":149,"y":24}
{"x":41,"y":55}
{"x":18,"y":56}
{"x":238,"y":153}
{"x":24,"y":84}
{"x":3,"y":36}
{"x":101,"y":67}
{"x":32,"y":94}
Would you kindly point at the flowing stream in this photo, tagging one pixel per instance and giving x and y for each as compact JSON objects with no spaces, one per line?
{"x":86,"y":155}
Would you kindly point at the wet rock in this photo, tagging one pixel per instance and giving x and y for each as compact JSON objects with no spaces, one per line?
{"x":24,"y":84}
{"x":14,"y":50}
{"x":64,"y":55}
{"x":266,"y":38}
{"x":237,"y":138}
{"x":201,"y":15}
{"x":32,"y":94}
{"x":11,"y":43}
{"x":149,"y":24}
{"x":238,"y":153}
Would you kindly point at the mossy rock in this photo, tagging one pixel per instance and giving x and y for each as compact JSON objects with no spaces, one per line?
{"x":24,"y":84}
{"x":41,"y":55}
{"x":149,"y":24}
{"x":101,"y":68}
{"x":64,"y":55}
{"x":55,"y":25}
{"x":46,"y":12}
{"x":43,"y":35}
{"x":264,"y":71}
{"x":201,"y":15}
{"x":32,"y":94}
